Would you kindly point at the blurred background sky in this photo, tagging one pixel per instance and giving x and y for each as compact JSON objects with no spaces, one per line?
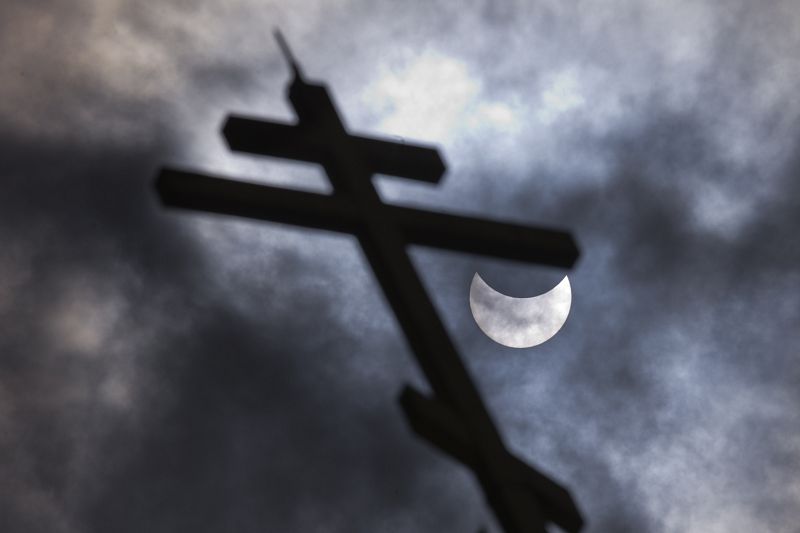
{"x":167,"y":371}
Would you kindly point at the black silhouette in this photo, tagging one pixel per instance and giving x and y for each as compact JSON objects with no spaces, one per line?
{"x":454,"y":418}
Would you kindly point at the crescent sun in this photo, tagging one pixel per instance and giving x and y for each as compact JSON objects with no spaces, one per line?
{"x":519,"y":322}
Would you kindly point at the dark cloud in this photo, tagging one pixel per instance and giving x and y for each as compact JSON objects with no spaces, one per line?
{"x":228,"y":420}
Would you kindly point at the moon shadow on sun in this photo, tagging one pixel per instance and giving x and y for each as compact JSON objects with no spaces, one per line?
{"x":519,"y":322}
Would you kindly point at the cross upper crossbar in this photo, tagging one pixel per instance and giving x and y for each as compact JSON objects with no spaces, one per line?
{"x":420,"y":163}
{"x":454,"y":417}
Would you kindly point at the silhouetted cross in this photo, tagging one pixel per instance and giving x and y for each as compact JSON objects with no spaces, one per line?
{"x":454,"y":418}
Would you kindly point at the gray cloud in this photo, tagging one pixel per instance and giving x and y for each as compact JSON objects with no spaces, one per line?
{"x":163,"y":371}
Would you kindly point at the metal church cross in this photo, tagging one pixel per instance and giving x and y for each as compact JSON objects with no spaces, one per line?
{"x":454,"y":417}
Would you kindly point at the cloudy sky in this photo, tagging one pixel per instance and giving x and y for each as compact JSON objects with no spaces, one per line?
{"x":167,"y":371}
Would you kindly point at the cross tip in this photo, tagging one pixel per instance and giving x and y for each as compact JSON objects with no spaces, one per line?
{"x":287,"y":53}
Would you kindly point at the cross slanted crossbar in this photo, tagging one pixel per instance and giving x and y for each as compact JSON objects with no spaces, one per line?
{"x":454,"y":418}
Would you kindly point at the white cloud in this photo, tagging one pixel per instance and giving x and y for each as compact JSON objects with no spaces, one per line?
{"x":85,"y":316}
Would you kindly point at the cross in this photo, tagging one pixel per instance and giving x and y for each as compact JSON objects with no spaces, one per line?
{"x":454,"y":418}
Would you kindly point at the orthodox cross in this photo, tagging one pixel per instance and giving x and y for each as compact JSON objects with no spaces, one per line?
{"x":454,"y":418}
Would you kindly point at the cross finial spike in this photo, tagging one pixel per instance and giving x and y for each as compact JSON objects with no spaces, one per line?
{"x":287,"y":53}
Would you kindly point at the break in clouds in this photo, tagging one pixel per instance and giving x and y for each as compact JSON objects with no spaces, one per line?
{"x":169,"y":371}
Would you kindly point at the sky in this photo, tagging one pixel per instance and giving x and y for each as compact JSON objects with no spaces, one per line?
{"x":169,"y":371}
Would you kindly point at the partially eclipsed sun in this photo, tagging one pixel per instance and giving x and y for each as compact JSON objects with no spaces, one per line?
{"x":519,"y":322}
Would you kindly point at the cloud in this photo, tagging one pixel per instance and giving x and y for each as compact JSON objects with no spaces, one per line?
{"x":137,"y":384}
{"x":164,"y":370}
